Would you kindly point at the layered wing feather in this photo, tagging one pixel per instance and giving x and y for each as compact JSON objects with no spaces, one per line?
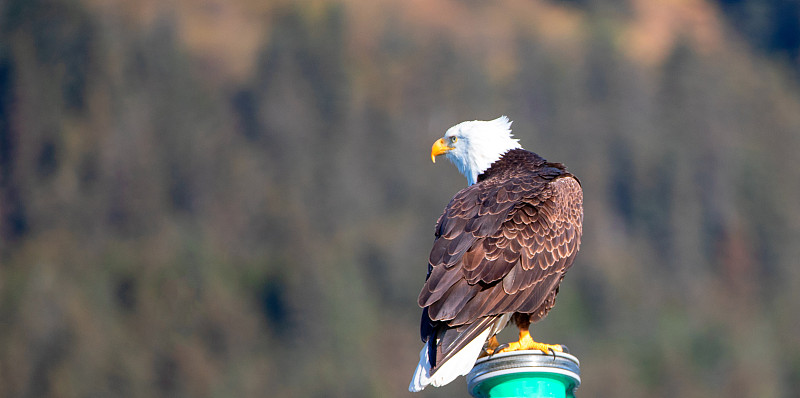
{"x":502,"y":247}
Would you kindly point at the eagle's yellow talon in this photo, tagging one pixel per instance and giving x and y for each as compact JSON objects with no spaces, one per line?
{"x":526,"y":343}
{"x":491,"y":347}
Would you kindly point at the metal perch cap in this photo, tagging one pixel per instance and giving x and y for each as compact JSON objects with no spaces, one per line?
{"x":525,"y":374}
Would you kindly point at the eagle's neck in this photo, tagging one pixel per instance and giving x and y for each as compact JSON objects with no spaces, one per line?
{"x":513,"y":159}
{"x":480,"y":163}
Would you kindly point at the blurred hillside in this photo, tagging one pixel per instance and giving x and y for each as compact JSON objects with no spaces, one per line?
{"x":235,"y":198}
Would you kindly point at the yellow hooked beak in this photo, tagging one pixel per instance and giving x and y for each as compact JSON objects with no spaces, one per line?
{"x":439,"y":148}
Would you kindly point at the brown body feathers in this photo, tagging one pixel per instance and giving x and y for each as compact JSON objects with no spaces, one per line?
{"x":502,"y":247}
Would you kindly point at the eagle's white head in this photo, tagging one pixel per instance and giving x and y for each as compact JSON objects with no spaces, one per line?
{"x":473,"y":146}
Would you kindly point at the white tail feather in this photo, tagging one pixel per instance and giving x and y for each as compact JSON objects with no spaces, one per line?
{"x":422,"y":374}
{"x":458,"y":365}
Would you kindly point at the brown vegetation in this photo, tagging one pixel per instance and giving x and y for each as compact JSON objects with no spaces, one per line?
{"x":236,"y":198}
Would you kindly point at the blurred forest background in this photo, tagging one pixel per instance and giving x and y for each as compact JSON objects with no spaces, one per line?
{"x":235,"y":198}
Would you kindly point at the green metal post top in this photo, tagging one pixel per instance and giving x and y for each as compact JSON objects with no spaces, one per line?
{"x":525,"y":374}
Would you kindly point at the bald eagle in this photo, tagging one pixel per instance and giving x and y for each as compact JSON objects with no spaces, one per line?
{"x":501,"y":248}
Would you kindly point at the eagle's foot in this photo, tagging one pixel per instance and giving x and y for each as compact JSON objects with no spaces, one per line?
{"x":490,"y":348}
{"x":526,"y":343}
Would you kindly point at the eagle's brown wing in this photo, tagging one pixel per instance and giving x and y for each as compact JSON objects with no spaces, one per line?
{"x":501,"y":247}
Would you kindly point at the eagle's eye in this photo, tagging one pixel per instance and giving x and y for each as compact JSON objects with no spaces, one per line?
{"x":453,"y":139}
